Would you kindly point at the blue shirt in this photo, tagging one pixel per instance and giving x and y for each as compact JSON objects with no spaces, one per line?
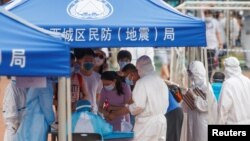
{"x":173,"y":104}
{"x":217,"y":88}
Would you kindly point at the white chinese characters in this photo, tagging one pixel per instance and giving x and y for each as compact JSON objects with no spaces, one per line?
{"x":169,"y":34}
{"x":107,"y":34}
{"x":18,"y":58}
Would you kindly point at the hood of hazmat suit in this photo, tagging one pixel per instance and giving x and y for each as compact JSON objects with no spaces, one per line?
{"x":205,"y":106}
{"x":233,"y":105}
{"x":150,"y":96}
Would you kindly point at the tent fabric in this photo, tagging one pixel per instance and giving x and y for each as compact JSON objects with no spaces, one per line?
{"x":114,"y":23}
{"x":25,"y":51}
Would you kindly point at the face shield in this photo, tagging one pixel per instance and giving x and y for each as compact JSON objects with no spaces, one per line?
{"x":144,"y":66}
{"x":197,"y":73}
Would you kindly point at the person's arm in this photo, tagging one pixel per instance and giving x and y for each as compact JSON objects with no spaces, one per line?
{"x":225,"y":103}
{"x":46,"y":103}
{"x":218,"y":35}
{"x":100,"y":105}
{"x":122,"y":110}
{"x":139,"y":98}
{"x":83,"y":87}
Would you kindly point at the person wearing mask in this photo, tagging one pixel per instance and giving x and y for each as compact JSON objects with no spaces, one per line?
{"x":92,"y":123}
{"x":233,"y":106}
{"x":39,"y":114}
{"x":131,"y":75}
{"x":13,"y":109}
{"x":137,"y":52}
{"x":214,"y":40}
{"x":218,"y":79}
{"x":149,"y":103}
{"x":124,"y":57}
{"x":116,"y":94}
{"x":78,"y":84}
{"x":100,"y":61}
{"x":197,"y":110}
{"x":86,"y":59}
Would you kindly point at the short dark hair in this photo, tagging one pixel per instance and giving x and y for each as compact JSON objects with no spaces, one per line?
{"x":208,"y":12}
{"x":72,"y":56}
{"x":81,"y":52}
{"x":124,"y":54}
{"x":218,"y":77}
{"x":129,"y":67}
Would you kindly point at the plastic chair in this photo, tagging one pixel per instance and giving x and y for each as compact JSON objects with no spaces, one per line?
{"x":86,"y":137}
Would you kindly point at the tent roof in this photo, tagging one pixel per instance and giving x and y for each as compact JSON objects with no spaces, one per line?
{"x":26,"y":51}
{"x":129,"y":22}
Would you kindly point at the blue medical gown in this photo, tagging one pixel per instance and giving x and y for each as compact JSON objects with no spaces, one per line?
{"x":98,"y":124}
{"x":38,"y":115}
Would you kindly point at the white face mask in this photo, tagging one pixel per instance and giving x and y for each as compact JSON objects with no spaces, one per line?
{"x":208,"y":19}
{"x":122,"y":64}
{"x":98,"y":61}
{"x":109,"y":87}
{"x":129,"y":82}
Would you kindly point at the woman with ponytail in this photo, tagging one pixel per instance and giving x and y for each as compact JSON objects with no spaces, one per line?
{"x":114,"y":95}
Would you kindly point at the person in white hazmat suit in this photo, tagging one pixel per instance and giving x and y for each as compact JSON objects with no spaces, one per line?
{"x":233,"y":106}
{"x":13,"y":109}
{"x":198,"y":116}
{"x":150,"y":103}
{"x":38,"y":114}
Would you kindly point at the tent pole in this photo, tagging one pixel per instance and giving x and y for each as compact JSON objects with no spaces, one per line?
{"x":61,"y":110}
{"x":69,"y":125}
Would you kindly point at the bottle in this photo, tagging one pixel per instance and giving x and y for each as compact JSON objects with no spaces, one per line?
{"x":125,"y":126}
{"x":106,"y":104}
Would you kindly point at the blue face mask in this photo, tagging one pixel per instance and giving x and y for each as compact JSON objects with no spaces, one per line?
{"x":88,"y":66}
{"x":129,"y":82}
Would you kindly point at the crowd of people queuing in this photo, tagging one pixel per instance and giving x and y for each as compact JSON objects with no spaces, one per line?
{"x":133,"y":98}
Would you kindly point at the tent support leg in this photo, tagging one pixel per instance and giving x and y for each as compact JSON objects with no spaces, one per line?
{"x":61,"y":110}
{"x":69,"y":125}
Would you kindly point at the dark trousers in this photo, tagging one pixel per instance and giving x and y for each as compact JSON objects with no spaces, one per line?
{"x":210,"y":62}
{"x":174,"y":124}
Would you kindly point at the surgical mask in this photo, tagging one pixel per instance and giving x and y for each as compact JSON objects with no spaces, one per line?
{"x":122,"y":64}
{"x":109,"y":87}
{"x":128,"y":81}
{"x":99,"y":61}
{"x":88,"y":66}
{"x":208,"y":19}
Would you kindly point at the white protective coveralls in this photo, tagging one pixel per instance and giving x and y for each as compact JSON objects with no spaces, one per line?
{"x":38,"y":115}
{"x":13,"y":109}
{"x":198,"y":118}
{"x":150,"y":103}
{"x":234,"y":101}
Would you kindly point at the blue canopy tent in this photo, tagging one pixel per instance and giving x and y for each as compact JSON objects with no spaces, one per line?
{"x":114,"y":23}
{"x":25,"y":51}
